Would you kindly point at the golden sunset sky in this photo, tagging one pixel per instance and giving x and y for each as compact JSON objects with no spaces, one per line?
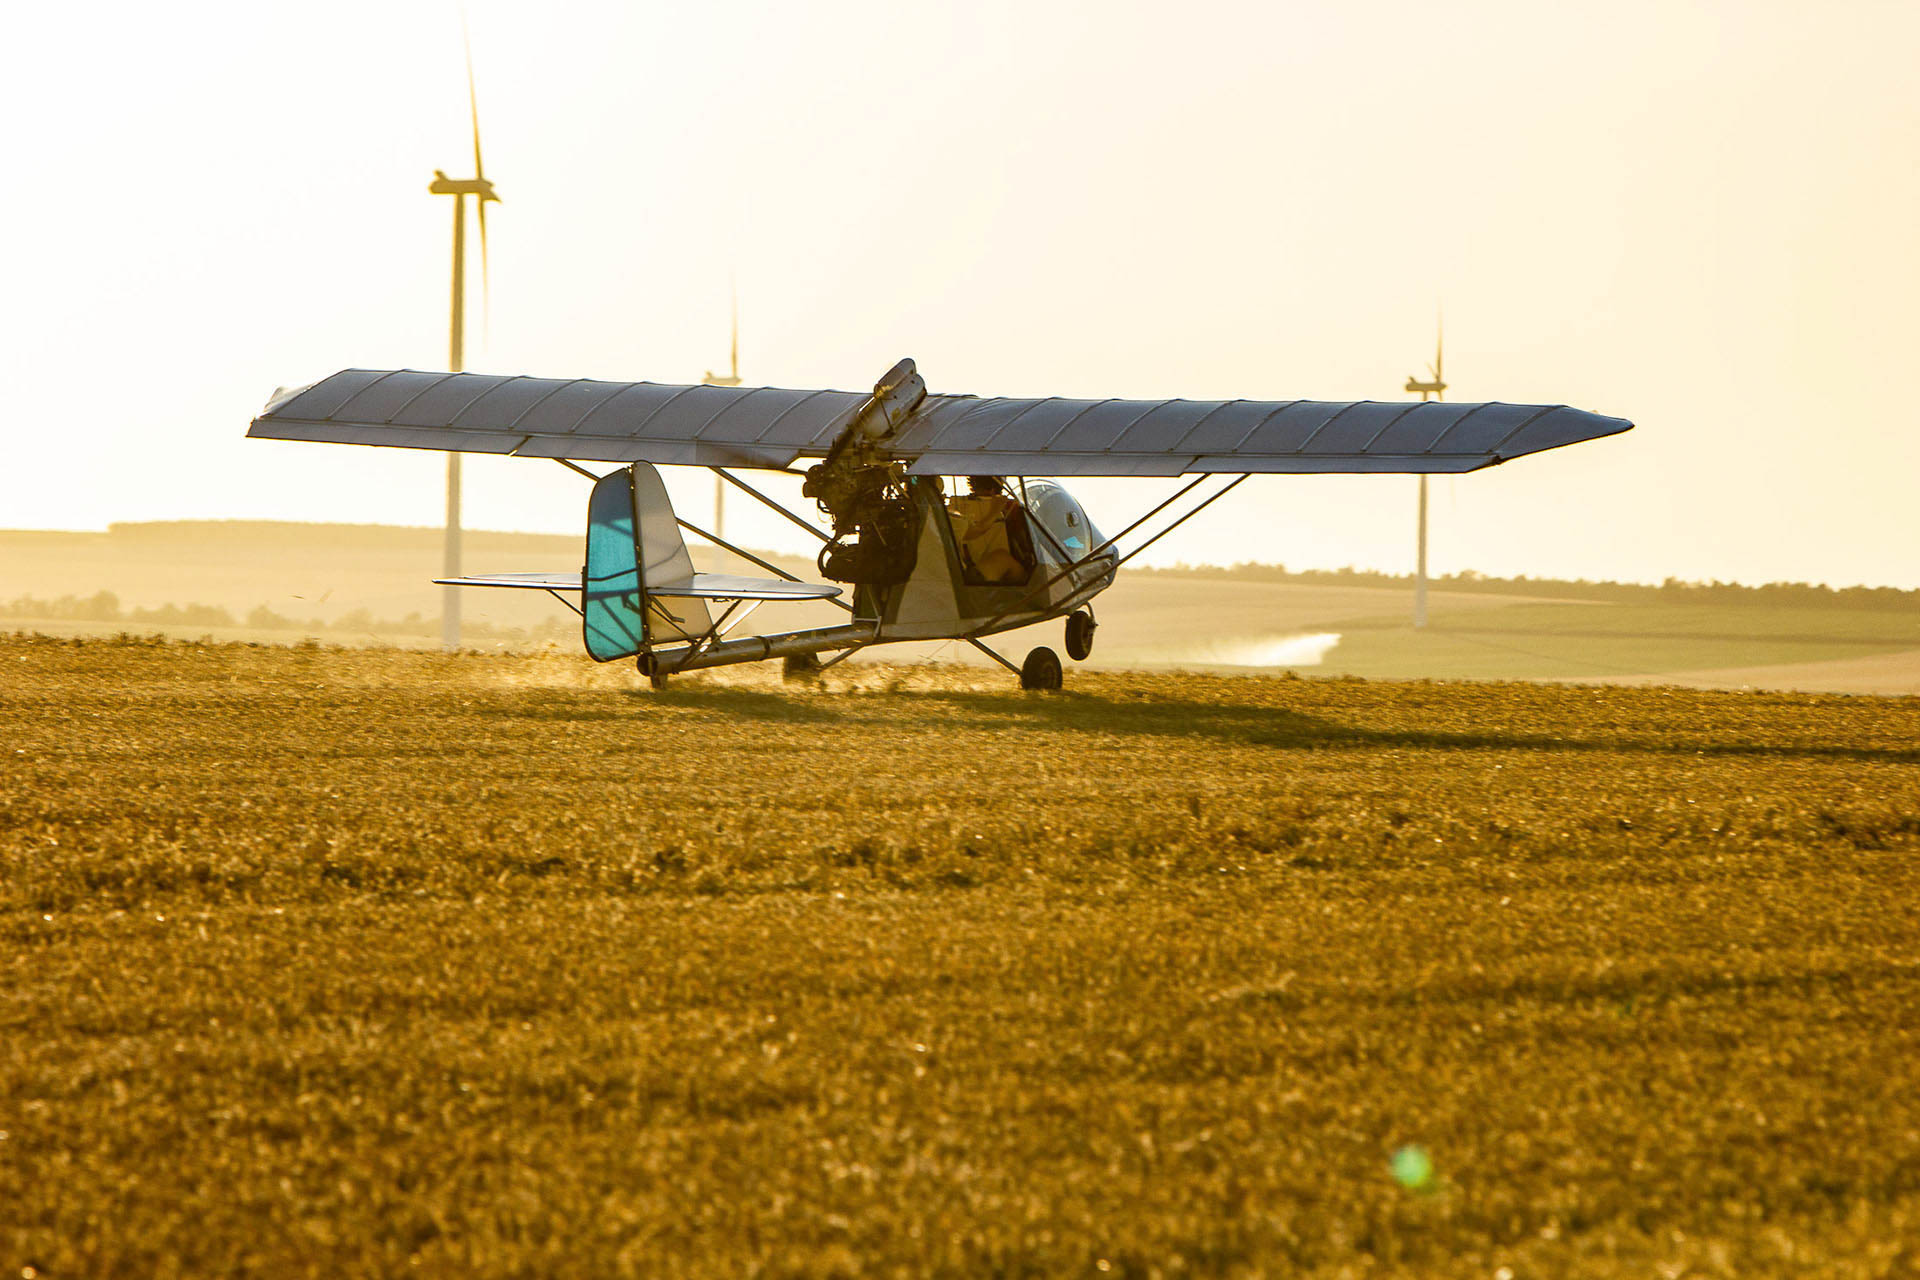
{"x":1699,"y":216}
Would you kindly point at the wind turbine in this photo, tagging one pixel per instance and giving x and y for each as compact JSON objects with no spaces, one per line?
{"x":1435,"y":386}
{"x":731,"y":379}
{"x":482,"y":191}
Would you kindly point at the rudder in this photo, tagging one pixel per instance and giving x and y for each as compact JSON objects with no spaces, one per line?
{"x":612,"y":624}
{"x":633,"y":543}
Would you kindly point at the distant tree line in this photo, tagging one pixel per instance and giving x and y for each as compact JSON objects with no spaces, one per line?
{"x":1805,"y":595}
{"x":104,"y":606}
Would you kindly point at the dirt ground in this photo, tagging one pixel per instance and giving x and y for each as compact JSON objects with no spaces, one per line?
{"x":322,"y":962}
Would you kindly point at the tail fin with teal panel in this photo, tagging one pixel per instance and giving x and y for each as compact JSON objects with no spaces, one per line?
{"x":611,"y":598}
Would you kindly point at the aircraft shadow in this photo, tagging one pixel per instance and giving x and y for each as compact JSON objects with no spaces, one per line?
{"x":744,"y":704}
{"x":1071,"y":712}
{"x":747,"y":704}
{"x":1293,"y":730}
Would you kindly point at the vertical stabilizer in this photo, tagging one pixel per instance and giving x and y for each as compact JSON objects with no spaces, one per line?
{"x":664,"y":561}
{"x":610,"y":596}
{"x":633,"y":547}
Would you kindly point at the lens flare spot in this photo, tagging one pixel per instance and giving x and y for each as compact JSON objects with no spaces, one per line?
{"x":1412,"y":1167}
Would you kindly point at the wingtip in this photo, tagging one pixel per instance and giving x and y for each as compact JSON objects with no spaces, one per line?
{"x":1597,"y":424}
{"x":282,"y":396}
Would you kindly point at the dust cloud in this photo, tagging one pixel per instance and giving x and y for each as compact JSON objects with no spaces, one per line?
{"x":1305,"y":649}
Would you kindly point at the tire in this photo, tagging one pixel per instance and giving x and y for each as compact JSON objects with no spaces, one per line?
{"x":1041,"y":670}
{"x":799,"y":667}
{"x":1080,"y":625}
{"x":657,"y":681}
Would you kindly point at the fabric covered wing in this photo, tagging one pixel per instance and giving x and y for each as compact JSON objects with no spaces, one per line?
{"x":558,"y":418}
{"x":946,"y":435}
{"x":953,"y":435}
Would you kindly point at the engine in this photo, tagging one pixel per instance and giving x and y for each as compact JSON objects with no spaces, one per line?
{"x":875,"y":532}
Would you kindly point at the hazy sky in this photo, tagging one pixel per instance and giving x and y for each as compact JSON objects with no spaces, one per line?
{"x":1699,"y":216}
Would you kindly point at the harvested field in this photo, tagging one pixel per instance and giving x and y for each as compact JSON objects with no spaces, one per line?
{"x":1891,"y":673}
{"x":323,"y":962}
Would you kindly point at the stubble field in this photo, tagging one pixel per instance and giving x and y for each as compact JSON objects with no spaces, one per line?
{"x":322,"y":962}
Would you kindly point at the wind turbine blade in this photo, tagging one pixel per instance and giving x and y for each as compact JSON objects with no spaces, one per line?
{"x":734,"y":292}
{"x":486,"y":280}
{"x":473,"y":106}
{"x":479,"y":173}
{"x":1439,"y":343}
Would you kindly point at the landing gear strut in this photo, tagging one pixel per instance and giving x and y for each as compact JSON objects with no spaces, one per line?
{"x":1041,"y":670}
{"x":1080,"y":626}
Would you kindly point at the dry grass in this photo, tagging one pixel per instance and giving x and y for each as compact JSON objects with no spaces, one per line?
{"x":355,"y":962}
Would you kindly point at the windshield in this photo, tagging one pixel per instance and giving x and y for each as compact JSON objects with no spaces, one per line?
{"x":1056,"y":511}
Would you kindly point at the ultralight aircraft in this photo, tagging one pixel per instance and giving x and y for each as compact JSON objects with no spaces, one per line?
{"x":923,"y":563}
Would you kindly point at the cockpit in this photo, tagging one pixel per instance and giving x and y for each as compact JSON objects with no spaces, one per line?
{"x":1003,"y":535}
{"x":991,"y":532}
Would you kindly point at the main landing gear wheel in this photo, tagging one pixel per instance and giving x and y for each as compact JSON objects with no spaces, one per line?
{"x":798,"y":667}
{"x":1041,"y":670}
{"x":1080,"y":625}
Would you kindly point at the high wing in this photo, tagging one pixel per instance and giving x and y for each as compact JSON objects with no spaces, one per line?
{"x":940,"y":435}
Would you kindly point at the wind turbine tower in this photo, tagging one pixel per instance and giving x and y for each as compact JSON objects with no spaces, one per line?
{"x":482,"y":191}
{"x":730,"y":379}
{"x":1435,"y":386}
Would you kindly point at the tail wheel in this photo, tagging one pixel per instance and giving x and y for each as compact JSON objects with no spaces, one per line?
{"x":1041,"y":670}
{"x":1080,"y":625}
{"x":650,"y":668}
{"x":797,"y":667}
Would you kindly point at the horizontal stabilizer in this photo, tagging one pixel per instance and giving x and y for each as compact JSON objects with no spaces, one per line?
{"x":725,"y":586}
{"x":532,"y":581}
{"x":702,"y":586}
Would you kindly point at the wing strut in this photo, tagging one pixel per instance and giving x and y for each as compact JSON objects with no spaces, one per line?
{"x":764,"y":500}
{"x":770,"y":567}
{"x":574,"y":466}
{"x":1218,"y":494}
